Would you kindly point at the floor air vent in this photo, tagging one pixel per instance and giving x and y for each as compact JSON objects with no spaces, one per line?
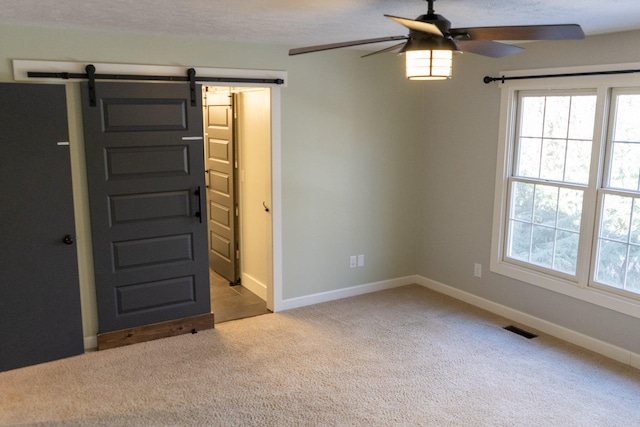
{"x":519,"y":331}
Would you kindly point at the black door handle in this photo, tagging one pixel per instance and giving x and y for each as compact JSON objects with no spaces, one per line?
{"x":68,"y":240}
{"x":199,"y":213}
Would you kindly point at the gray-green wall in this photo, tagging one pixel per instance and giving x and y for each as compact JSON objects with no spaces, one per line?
{"x":401,"y":171}
{"x":457,"y":177}
{"x":350,"y":138}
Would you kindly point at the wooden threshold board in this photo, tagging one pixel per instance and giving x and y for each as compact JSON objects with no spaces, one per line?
{"x":155,"y":331}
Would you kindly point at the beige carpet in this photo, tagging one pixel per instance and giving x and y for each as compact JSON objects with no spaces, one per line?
{"x":403,"y":357}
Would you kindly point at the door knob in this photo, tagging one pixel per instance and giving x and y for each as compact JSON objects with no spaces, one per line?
{"x":68,"y":240}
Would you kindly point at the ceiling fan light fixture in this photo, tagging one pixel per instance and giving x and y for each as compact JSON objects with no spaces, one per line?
{"x":432,"y":43}
{"x":429,"y":59}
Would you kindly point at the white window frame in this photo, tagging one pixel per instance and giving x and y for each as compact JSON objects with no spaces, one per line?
{"x":578,"y":287}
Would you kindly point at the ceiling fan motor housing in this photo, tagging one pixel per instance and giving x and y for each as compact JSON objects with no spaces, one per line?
{"x":439,"y":21}
{"x":419,"y":40}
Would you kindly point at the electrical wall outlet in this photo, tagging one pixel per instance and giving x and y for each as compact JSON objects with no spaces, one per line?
{"x":353,"y":261}
{"x":360,"y":260}
{"x":477,"y":270}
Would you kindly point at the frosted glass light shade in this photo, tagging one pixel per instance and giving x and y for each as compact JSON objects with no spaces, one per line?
{"x":429,"y":64}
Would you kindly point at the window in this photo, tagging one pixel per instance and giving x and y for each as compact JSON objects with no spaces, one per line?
{"x":618,"y":245}
{"x":567,"y":212}
{"x":553,"y":148}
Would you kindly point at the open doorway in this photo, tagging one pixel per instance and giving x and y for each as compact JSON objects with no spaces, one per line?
{"x":237,"y":147}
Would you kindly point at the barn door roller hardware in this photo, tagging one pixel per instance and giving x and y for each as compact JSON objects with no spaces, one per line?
{"x":191,"y":78}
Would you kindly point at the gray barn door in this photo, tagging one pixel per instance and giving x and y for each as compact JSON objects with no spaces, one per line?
{"x":40,"y":318}
{"x":145,"y":164}
{"x":221,"y":184}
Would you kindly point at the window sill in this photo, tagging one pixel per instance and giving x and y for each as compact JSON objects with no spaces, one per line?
{"x":591,"y":295}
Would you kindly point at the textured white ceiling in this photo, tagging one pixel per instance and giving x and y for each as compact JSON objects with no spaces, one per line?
{"x":308,"y":22}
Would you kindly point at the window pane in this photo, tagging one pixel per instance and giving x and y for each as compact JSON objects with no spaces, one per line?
{"x":529,"y":157}
{"x":544,"y":225}
{"x":556,"y":117}
{"x":616,"y":218}
{"x":542,"y":240}
{"x":577,"y":163}
{"x":545,"y":207}
{"x":582,"y":118}
{"x":532,"y":116}
{"x":618,"y":253}
{"x":633,"y":270}
{"x":522,"y":202}
{"x":553,"y":155}
{"x":625,"y":166}
{"x":611,"y":263}
{"x":570,"y":209}
{"x":566,"y":252}
{"x":634,"y":235}
{"x":566,"y":123}
{"x":625,"y":150}
{"x":626,"y":126}
{"x":519,"y":241}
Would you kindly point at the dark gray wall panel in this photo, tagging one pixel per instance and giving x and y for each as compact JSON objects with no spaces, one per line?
{"x":140,"y":162}
{"x":149,"y":207}
{"x":130,"y":115}
{"x":152,"y":295}
{"x":156,"y":251}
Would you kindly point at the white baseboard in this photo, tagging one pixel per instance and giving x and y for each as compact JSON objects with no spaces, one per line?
{"x":290,"y":303}
{"x":255,"y":286}
{"x":90,"y":343}
{"x":609,"y":350}
{"x":565,"y":334}
{"x":635,"y":360}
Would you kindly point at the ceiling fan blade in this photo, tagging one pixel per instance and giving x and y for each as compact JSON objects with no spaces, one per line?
{"x":387,"y":49}
{"x":321,"y":47}
{"x":487,"y":48}
{"x":521,"y":32}
{"x":424,"y":27}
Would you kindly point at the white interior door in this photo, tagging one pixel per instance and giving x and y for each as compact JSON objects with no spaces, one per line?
{"x":254,"y":140}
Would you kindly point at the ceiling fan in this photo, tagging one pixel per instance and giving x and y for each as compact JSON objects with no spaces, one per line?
{"x":431,"y":42}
